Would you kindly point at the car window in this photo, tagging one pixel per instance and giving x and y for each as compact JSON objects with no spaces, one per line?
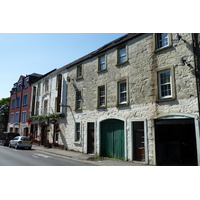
{"x":25,"y":139}
{"x":16,"y":138}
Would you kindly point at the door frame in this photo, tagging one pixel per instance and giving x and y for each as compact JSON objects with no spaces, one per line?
{"x":95,"y":127}
{"x":101,"y":119}
{"x":184,"y":116}
{"x":145,"y":140}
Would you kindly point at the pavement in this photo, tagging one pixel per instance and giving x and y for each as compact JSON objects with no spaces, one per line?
{"x":91,"y":158}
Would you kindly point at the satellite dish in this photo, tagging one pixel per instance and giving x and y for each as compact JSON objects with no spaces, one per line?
{"x":68,"y":79}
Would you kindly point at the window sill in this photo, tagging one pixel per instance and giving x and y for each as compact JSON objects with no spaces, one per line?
{"x":101,"y":107}
{"x":79,"y":78}
{"x":164,"y":100}
{"x":163,"y":48}
{"x":102,"y":70}
{"x":78,"y":110}
{"x":77,"y":142}
{"x":122,"y":105}
{"x":119,"y":64}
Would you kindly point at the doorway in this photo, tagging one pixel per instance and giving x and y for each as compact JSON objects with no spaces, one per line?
{"x":90,"y":137}
{"x":175,"y":142}
{"x":112,"y":139}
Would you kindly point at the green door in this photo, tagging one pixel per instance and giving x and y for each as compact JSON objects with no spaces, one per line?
{"x":112,"y":139}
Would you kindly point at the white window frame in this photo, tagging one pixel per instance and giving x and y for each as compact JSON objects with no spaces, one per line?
{"x":101,"y":96}
{"x":119,"y":56}
{"x":162,"y":40}
{"x":160,"y":85}
{"x":102,"y":64}
{"x":120,"y":102}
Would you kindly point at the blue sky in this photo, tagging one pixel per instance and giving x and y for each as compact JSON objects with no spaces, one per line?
{"x":26,"y":53}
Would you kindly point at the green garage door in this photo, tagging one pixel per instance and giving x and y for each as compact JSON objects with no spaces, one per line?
{"x":112,"y":139}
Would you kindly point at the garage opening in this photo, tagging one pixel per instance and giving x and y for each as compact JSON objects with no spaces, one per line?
{"x":175,"y":142}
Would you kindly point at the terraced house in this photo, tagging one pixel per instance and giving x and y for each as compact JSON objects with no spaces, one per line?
{"x":135,"y":98}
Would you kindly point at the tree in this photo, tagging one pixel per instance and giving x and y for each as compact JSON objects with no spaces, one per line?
{"x":4,"y":112}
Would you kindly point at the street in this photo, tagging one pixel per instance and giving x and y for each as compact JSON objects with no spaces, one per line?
{"x":23,"y":157}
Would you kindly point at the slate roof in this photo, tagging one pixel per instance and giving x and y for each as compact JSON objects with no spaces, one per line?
{"x":104,"y":48}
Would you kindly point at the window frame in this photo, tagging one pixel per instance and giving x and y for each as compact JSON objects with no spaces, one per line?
{"x":157,"y":46}
{"x":19,"y":86}
{"x":23,"y":119}
{"x":79,"y":71}
{"x":100,"y":69}
{"x":25,"y":99}
{"x":78,"y":100}
{"x":118,"y":55}
{"x":98,"y":97}
{"x":45,"y":108}
{"x":26,"y":82}
{"x":119,"y":102}
{"x":17,"y":117}
{"x":76,"y":133}
{"x":12,"y":118}
{"x":18,"y":99}
{"x":160,"y":97}
{"x":13,"y":103}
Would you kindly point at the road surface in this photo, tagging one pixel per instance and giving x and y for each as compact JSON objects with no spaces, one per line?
{"x":23,"y":157}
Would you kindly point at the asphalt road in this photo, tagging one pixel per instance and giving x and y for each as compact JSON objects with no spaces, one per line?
{"x":23,"y":157}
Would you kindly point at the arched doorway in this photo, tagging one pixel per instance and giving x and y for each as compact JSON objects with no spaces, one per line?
{"x":112,"y":139}
{"x":175,"y":141}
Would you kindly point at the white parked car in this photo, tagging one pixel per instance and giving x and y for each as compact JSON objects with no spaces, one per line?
{"x":21,"y":142}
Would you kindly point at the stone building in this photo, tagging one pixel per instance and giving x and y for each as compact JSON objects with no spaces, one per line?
{"x":135,"y":99}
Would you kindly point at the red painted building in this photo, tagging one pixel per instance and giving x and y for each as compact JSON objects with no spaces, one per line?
{"x":20,"y":96}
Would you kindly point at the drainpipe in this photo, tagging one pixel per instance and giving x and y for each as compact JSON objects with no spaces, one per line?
{"x":196,"y":50}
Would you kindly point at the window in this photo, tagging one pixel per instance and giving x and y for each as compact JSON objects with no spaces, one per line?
{"x":12,"y":116}
{"x":18,"y":102}
{"x":37,"y":108}
{"x":25,"y":99}
{"x":16,"y":117}
{"x":79,"y":73}
{"x":101,"y":96}
{"x":46,"y":86}
{"x":19,"y":86}
{"x":45,"y":106}
{"x":102,"y":63}
{"x":38,"y":89}
{"x":162,"y":40}
{"x":77,"y":132}
{"x":165,"y":84}
{"x":23,"y":116}
{"x":78,"y":100}
{"x":122,"y":92}
{"x":122,"y":55}
{"x":26,"y":82}
{"x":13,"y":103}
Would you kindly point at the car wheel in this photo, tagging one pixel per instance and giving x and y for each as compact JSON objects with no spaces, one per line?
{"x":29,"y":148}
{"x":16,"y":146}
